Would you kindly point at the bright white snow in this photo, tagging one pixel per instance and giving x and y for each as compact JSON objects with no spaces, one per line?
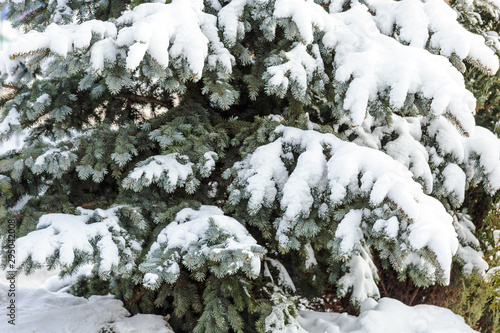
{"x":40,"y":311}
{"x":189,"y":240}
{"x":165,"y":170}
{"x":366,"y":57}
{"x":264,"y":178}
{"x":63,"y":235}
{"x":386,"y":316}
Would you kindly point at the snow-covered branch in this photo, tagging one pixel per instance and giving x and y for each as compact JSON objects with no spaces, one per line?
{"x":202,"y":240}
{"x":182,"y":38}
{"x":329,"y":173}
{"x":93,"y":236}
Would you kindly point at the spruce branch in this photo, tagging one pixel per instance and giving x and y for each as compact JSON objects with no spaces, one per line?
{"x":10,"y":87}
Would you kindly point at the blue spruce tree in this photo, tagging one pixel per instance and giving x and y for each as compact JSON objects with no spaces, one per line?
{"x":214,"y":160}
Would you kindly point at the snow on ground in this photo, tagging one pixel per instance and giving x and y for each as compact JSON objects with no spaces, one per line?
{"x":386,"y":316}
{"x":37,"y":279}
{"x":43,"y":306}
{"x":39,"y":310}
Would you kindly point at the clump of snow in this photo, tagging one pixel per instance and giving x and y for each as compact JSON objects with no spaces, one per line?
{"x":64,"y":235}
{"x":209,"y":165}
{"x":408,"y":150}
{"x":103,"y":51}
{"x":305,"y":15}
{"x":310,"y":257}
{"x":283,"y":278}
{"x":229,"y":18}
{"x":262,"y":171}
{"x":165,"y":170}
{"x":179,"y":30}
{"x":197,"y":238}
{"x":455,"y":181}
{"x":63,"y":39}
{"x":484,"y":146}
{"x":472,"y":260}
{"x":43,"y":99}
{"x":361,"y":278}
{"x":446,"y":137}
{"x":349,"y":231}
{"x":388,"y":227}
{"x":300,"y":67}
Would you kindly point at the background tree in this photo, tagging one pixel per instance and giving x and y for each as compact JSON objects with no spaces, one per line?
{"x":215,"y":159}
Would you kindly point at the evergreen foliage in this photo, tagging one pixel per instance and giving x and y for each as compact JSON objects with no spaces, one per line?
{"x":215,"y":160}
{"x":478,"y":297}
